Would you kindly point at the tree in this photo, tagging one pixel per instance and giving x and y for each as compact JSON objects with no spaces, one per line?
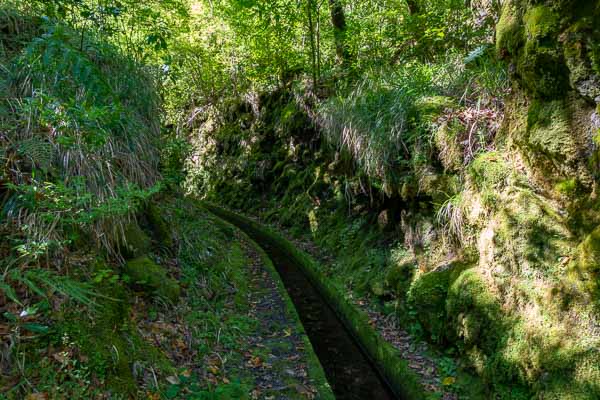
{"x":338,"y":21}
{"x":413,"y":6}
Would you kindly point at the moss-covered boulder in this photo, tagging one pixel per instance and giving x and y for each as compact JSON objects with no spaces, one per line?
{"x":152,"y":278}
{"x":399,"y":277}
{"x":476,"y":322}
{"x":135,"y":242}
{"x":427,"y":297}
{"x":159,"y":225}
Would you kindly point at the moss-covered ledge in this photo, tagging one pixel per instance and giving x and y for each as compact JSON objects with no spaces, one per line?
{"x":385,"y":357}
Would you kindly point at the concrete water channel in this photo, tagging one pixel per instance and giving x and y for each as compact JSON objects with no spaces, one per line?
{"x":349,"y":370}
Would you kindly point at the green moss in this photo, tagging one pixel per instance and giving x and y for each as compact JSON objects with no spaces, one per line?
{"x":578,"y":55}
{"x":438,"y":186}
{"x":549,"y":130}
{"x":109,"y":342}
{"x":567,"y":187}
{"x":135,"y":242}
{"x":489,"y":171}
{"x":509,"y":31}
{"x":475,"y":316}
{"x":447,"y":141}
{"x":540,"y":63}
{"x":540,"y":22}
{"x":543,"y":72}
{"x":431,"y":108}
{"x":152,"y":277}
{"x":377,"y":288}
{"x":427,"y":297}
{"x":400,"y":276}
{"x":159,"y":225}
{"x":588,"y":265}
{"x":529,"y":236}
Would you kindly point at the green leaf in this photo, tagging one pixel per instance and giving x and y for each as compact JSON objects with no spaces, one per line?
{"x":10,"y":316}
{"x":172,"y":391}
{"x":36,"y":328}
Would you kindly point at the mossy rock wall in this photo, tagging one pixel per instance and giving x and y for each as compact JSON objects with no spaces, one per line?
{"x":134,"y":242}
{"x":552,"y":49}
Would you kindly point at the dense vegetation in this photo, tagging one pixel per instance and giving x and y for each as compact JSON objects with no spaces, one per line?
{"x":442,"y":155}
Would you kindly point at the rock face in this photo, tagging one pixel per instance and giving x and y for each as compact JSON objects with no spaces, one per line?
{"x":537,"y":273}
{"x":553,"y":49}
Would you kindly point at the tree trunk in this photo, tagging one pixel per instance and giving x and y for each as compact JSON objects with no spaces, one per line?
{"x":338,"y":20}
{"x":313,"y":48}
{"x":413,"y":6}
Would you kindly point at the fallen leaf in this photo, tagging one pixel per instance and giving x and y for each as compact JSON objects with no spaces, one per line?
{"x":37,"y":396}
{"x":449,"y":380}
{"x":213,"y":369}
{"x":256,"y":361}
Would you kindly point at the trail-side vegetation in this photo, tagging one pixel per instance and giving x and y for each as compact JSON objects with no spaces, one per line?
{"x":441,"y":154}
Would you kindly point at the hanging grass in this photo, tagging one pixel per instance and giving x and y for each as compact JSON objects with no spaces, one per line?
{"x":80,"y":128}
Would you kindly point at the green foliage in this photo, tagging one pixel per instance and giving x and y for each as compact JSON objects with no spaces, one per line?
{"x":142,"y":30}
{"x":79,"y":119}
{"x":374,"y":124}
{"x":147,"y":274}
{"x":45,"y":284}
{"x":489,"y":171}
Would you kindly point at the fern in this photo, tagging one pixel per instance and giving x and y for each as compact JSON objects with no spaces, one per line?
{"x":44,"y":282}
{"x":39,"y":151}
{"x":9,"y":292}
{"x":476,"y":54}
